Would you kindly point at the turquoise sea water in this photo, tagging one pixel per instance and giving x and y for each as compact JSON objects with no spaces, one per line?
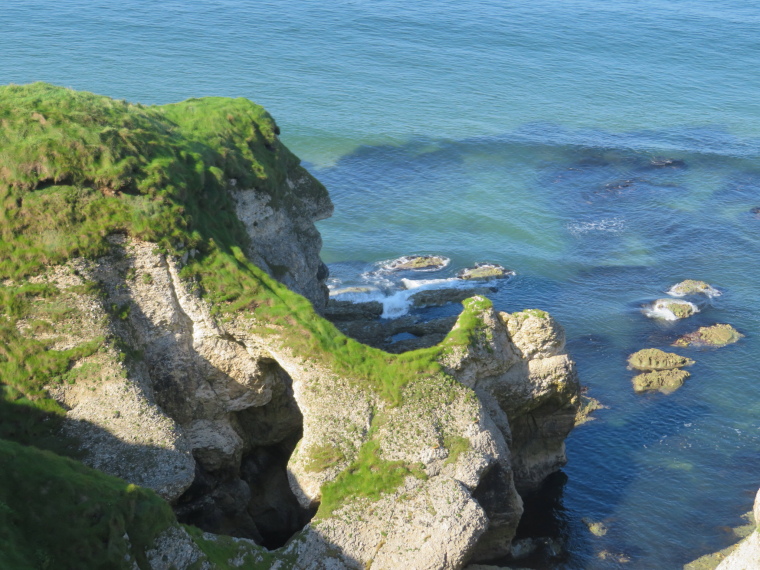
{"x":530,"y":135}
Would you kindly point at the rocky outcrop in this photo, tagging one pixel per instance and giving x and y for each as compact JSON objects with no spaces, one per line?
{"x":485,"y":272}
{"x":664,"y":381}
{"x":693,"y":287}
{"x":656,"y":359}
{"x":183,"y":366}
{"x":715,"y":335}
{"x":671,"y":309}
{"x":661,"y":370}
{"x":418,"y":263}
{"x":228,"y":396}
{"x":284,"y":240}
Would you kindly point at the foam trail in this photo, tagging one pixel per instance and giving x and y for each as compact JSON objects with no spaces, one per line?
{"x":398,"y":303}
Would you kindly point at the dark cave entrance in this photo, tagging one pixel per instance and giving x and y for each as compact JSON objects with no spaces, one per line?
{"x":254,"y":499}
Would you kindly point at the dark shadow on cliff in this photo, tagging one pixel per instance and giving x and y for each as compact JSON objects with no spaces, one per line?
{"x":43,"y":429}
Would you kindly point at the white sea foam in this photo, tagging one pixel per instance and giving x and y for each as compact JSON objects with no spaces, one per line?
{"x":391,"y":265}
{"x":661,"y":310}
{"x":612,"y":225}
{"x":397,"y":302}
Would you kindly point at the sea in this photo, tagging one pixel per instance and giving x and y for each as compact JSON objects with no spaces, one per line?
{"x":601,"y":150}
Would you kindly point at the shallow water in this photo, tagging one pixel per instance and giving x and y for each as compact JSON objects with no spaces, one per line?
{"x":532,"y":136}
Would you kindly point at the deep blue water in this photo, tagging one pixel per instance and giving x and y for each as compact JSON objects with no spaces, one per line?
{"x":527,"y":135}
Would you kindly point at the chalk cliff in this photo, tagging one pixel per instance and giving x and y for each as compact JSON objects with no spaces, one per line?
{"x":164,"y":267}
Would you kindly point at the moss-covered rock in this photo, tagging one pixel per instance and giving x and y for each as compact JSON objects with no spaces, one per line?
{"x":418,"y":262}
{"x":485,"y":272}
{"x":693,"y":287}
{"x":671,"y":309}
{"x":715,"y":335}
{"x":656,"y":359}
{"x":665,"y":381}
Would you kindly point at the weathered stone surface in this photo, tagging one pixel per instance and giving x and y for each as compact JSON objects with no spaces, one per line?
{"x":535,"y":333}
{"x":693,"y":287}
{"x":213,"y":386}
{"x":715,"y":335}
{"x":284,"y":240}
{"x":440,"y":297}
{"x":665,"y":381}
{"x":418,"y":262}
{"x":485,"y":272}
{"x":656,"y":359}
{"x":746,"y":556}
{"x":672,"y":309}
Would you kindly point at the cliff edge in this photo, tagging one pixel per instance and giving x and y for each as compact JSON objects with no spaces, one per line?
{"x":162,"y":289}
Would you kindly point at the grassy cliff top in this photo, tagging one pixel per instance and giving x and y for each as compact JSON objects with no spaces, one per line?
{"x":75,"y":167}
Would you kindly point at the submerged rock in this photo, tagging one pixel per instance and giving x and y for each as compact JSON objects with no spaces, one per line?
{"x":485,"y":272}
{"x":418,"y":262}
{"x":692,"y":287}
{"x":715,"y":335}
{"x":614,"y":557}
{"x":350,"y":311}
{"x":667,"y":163}
{"x":596,"y":528}
{"x":656,"y":359}
{"x":587,"y":406}
{"x":671,"y":309}
{"x":665,"y":381}
{"x":440,"y":297}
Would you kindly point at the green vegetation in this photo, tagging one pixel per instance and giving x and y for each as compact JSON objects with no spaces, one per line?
{"x":369,"y":476}
{"x":57,"y":513}
{"x":456,"y":445}
{"x":321,"y":457}
{"x":222,"y":549}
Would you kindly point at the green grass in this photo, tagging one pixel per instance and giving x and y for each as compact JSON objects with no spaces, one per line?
{"x":368,"y":476}
{"x":321,"y":457}
{"x":55,"y":513}
{"x":457,"y":445}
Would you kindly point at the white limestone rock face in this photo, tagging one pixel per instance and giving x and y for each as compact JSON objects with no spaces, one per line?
{"x":284,"y":241}
{"x":746,"y":556}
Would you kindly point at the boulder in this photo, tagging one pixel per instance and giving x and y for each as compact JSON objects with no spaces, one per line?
{"x":692,"y":287}
{"x":440,"y":297}
{"x":656,"y":359}
{"x":671,"y":309}
{"x":418,"y":263}
{"x":665,"y":381}
{"x":715,"y":335}
{"x":485,"y":272}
